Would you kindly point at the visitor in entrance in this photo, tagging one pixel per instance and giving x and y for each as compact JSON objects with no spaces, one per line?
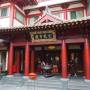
{"x":56,"y":65}
{"x":47,"y":68}
{"x":39,"y":69}
{"x":0,"y":68}
{"x":73,"y":65}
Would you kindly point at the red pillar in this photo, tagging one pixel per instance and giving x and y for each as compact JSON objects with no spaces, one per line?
{"x":10,"y":60}
{"x":25,"y":20}
{"x":17,"y":61}
{"x":32,"y":62}
{"x":27,"y":58}
{"x":65,"y":14}
{"x":64,"y":59}
{"x":87,"y":59}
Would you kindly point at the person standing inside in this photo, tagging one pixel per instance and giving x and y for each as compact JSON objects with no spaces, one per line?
{"x":72,"y":64}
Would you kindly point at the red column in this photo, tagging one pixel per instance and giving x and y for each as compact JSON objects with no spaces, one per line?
{"x":65,"y":14}
{"x":25,"y":20}
{"x":64,"y":59}
{"x":87,"y":59}
{"x":32,"y":62}
{"x":10,"y":60}
{"x":27,"y":58}
{"x":17,"y":61}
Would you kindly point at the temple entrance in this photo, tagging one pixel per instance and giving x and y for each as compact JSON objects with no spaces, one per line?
{"x":18,"y":64}
{"x":3,"y":61}
{"x":22,"y":56}
{"x":48,"y":61}
{"x":75,"y":60}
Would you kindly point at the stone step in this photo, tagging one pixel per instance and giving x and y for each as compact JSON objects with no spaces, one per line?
{"x":56,"y":84}
{"x":76,"y":89}
{"x":21,"y":78}
{"x":73,"y":86}
{"x":50,"y":83}
{"x":12,"y":79}
{"x":44,"y":85}
{"x":77,"y":85}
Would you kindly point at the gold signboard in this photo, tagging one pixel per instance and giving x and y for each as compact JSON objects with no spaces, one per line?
{"x":43,"y":36}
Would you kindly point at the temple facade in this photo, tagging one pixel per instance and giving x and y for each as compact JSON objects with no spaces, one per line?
{"x":45,"y":37}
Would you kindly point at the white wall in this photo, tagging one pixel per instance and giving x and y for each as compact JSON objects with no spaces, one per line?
{"x":68,"y":16}
{"x":34,"y":12}
{"x":4,"y":22}
{"x":62,"y":16}
{"x":75,"y":5}
{"x":17,"y":23}
{"x":55,"y":9}
{"x":59,"y":15}
{"x":5,"y":4}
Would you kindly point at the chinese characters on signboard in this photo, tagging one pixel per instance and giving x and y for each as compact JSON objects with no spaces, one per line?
{"x":43,"y":36}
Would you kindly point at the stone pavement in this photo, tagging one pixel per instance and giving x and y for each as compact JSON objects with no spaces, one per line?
{"x":42,"y":83}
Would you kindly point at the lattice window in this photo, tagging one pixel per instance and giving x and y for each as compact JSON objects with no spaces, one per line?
{"x":88,"y":7}
{"x":4,"y":12}
{"x":32,"y":20}
{"x":76,"y":14}
{"x":19,"y":16}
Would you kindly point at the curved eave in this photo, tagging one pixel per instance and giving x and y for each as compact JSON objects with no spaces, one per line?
{"x":20,"y":3}
{"x":84,"y":24}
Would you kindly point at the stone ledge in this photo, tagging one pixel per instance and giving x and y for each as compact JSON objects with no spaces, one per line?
{"x":9,"y":76}
{"x":87,"y":80}
{"x":64,"y":79}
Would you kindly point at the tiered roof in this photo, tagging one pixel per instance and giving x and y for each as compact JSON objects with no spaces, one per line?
{"x":80,"y":24}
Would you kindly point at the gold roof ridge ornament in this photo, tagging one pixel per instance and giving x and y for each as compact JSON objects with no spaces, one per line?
{"x":47,"y":10}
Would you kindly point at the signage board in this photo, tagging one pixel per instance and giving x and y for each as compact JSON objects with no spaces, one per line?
{"x":43,"y":36}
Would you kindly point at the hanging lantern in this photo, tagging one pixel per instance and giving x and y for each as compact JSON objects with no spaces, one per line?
{"x":51,"y":47}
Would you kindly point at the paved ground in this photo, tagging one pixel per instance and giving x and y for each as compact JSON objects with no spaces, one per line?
{"x":42,"y":83}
